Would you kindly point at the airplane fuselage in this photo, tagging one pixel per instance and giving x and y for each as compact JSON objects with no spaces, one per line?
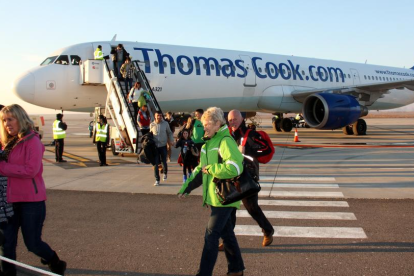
{"x":187,"y":78}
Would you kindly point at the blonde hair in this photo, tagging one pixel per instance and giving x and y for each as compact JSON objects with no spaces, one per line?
{"x":214,"y":115}
{"x":17,"y":112}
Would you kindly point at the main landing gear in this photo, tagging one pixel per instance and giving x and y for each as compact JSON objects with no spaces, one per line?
{"x":281,"y":124}
{"x":357,"y":128}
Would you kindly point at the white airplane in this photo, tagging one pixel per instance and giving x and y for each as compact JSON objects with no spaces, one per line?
{"x":330,"y":94}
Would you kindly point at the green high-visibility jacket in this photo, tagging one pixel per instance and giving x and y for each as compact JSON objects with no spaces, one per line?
{"x":98,"y":54}
{"x":101,"y":132}
{"x":232,"y":165}
{"x":58,"y":133}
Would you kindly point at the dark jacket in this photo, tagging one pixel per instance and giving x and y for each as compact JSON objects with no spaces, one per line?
{"x":148,"y":150}
{"x":188,"y":157}
{"x":115,"y":57}
{"x":251,"y":148}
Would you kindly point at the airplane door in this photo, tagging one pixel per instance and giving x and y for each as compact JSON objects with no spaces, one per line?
{"x":355,"y":76}
{"x":250,"y":79}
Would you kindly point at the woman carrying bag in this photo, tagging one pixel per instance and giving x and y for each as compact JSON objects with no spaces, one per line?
{"x":217,"y":141}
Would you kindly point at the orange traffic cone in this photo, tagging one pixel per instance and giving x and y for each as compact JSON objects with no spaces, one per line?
{"x":296,"y":136}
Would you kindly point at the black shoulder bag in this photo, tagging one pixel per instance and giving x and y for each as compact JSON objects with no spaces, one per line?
{"x":234,"y":189}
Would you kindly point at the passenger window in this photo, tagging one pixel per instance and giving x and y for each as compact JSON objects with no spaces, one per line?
{"x":75,"y":60}
{"x":260,"y":69}
{"x":376,"y":77}
{"x":189,"y":65}
{"x":234,"y":68}
{"x":204,"y":66}
{"x":272,"y":70}
{"x":349,"y":76}
{"x":365,"y":77}
{"x":197,"y":66}
{"x":173,"y":64}
{"x":212,"y":67}
{"x":156,"y":63}
{"x":369,"y":77}
{"x":181,"y":65}
{"x":219,"y":67}
{"x":63,"y":60}
{"x":266,"y":71}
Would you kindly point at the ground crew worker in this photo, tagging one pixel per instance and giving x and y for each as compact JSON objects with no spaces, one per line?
{"x":102,"y":139}
{"x":59,"y":134}
{"x":98,"y":53}
{"x":297,"y":118}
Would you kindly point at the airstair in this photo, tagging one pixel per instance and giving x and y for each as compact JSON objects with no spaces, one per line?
{"x":125,"y":133}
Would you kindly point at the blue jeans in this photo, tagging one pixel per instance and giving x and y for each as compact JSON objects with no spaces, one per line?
{"x":128,"y":85}
{"x":30,"y":217}
{"x":220,"y":225}
{"x":118,"y":71}
{"x":161,"y":157}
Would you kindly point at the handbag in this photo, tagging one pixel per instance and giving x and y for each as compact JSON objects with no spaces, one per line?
{"x":231,"y":190}
{"x":234,"y":189}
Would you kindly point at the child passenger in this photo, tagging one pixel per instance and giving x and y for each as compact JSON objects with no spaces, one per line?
{"x":187,"y":148}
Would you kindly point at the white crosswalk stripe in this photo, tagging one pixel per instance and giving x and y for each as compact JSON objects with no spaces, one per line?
{"x":303,"y":203}
{"x":265,"y":193}
{"x":295,"y":178}
{"x":302,"y":215}
{"x":304,"y":232}
{"x":301,"y":187}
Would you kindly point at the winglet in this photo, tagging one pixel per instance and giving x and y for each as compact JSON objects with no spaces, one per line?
{"x":114,"y":38}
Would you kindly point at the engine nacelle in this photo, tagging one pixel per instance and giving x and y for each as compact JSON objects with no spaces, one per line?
{"x":331,"y":111}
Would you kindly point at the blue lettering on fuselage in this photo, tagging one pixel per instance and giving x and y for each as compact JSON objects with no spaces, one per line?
{"x":186,"y":65}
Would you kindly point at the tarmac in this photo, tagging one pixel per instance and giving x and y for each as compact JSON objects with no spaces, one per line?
{"x":340,"y":205}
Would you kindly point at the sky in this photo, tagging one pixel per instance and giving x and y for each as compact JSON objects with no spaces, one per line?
{"x":377,"y":32}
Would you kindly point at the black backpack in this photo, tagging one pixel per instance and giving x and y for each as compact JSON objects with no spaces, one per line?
{"x":149,"y":149}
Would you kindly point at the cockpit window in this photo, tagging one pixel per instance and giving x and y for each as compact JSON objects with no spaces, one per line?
{"x":48,"y":60}
{"x":63,"y":59}
{"x":75,"y":60}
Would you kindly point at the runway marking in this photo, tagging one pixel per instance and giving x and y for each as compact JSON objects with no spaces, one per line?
{"x":290,"y":185}
{"x":300,"y":194}
{"x":302,"y":215}
{"x":303,"y":203}
{"x":294,"y":178}
{"x":304,"y":232}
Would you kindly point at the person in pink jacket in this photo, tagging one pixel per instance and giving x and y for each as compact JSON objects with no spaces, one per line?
{"x":21,"y":162}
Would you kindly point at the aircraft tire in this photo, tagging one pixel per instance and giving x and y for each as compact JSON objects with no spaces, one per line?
{"x":286,"y":125}
{"x":276,"y":125}
{"x":113,"y":148}
{"x":359,"y":127}
{"x":347,"y":130}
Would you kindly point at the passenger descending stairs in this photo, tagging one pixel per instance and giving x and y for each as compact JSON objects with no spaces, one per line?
{"x":304,"y":193}
{"x":122,"y":112}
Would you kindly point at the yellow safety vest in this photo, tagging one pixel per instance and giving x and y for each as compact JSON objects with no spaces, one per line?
{"x":98,"y":54}
{"x":58,"y":133}
{"x":297,"y":117}
{"x":101,"y":133}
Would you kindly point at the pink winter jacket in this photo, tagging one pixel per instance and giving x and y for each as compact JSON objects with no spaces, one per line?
{"x":24,"y":170}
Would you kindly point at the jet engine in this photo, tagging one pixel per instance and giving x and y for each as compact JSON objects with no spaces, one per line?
{"x":331,"y":111}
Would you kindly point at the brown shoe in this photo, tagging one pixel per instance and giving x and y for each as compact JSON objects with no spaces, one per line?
{"x":221,"y":247}
{"x":268,"y":239}
{"x":240,"y":273}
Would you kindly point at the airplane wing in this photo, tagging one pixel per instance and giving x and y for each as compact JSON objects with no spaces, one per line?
{"x":367,"y":93}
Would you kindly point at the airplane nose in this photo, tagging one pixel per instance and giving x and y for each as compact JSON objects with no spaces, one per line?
{"x":24,"y":87}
